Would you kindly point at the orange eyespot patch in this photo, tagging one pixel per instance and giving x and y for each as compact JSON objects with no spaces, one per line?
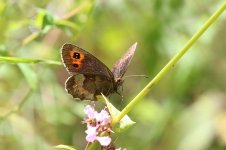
{"x":77,"y":57}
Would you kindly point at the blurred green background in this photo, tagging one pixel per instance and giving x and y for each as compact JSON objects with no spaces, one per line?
{"x":184,"y":111}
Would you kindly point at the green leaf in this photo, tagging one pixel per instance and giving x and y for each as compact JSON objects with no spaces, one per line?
{"x":65,"y":24}
{"x":44,"y":21}
{"x":64,"y":147}
{"x":30,"y":75}
{"x":124,"y":123}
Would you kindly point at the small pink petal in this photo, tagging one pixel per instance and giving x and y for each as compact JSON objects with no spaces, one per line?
{"x":103,"y":117}
{"x":89,"y":110}
{"x":104,"y":141}
{"x":91,"y":134}
{"x":91,"y":138}
{"x":91,"y":130}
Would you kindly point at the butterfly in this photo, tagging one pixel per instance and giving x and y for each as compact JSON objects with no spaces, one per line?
{"x":89,"y":77}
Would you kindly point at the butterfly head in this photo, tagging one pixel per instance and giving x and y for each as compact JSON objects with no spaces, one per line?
{"x":119,"y":82}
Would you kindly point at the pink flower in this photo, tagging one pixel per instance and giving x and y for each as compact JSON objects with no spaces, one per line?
{"x":96,"y":124}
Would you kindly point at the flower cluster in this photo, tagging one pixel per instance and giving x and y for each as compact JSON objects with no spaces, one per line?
{"x":96,"y":124}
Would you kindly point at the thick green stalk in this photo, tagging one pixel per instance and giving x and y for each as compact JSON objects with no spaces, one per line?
{"x":171,"y":63}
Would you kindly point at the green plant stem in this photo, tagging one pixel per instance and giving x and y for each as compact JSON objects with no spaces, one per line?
{"x":30,"y":38}
{"x":27,"y":60}
{"x":77,"y":10}
{"x":93,"y":146}
{"x":171,"y":63}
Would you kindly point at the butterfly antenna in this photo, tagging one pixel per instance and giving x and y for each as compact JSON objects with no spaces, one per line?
{"x":119,"y":94}
{"x":121,"y":105}
{"x":136,"y":76}
{"x":122,"y":92}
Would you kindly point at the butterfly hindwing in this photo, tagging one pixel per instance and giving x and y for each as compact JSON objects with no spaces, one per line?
{"x":87,"y":87}
{"x":122,"y":64}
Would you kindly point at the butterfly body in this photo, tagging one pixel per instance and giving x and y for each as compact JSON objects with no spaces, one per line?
{"x":89,"y":76}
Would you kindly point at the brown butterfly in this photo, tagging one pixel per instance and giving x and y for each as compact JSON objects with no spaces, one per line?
{"x":89,"y":76}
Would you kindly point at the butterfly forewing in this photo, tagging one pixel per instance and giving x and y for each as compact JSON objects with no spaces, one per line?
{"x":89,"y":76}
{"x":77,"y":60}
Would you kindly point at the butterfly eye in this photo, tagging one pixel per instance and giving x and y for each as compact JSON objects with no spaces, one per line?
{"x":76,"y":65}
{"x":76,"y":55}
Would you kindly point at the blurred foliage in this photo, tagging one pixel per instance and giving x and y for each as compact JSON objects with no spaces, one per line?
{"x":185,"y":111}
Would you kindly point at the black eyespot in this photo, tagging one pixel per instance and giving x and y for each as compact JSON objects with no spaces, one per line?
{"x":76,"y":55}
{"x":76,"y":65}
